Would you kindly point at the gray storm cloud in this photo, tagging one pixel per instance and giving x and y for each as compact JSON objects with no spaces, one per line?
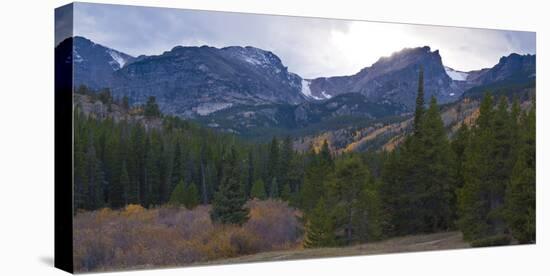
{"x":311,"y":47}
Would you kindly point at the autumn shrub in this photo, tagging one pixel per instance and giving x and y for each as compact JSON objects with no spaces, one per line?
{"x":244,"y":243}
{"x":135,"y":237}
{"x":275,"y":222}
{"x":92,"y":253}
{"x":132,"y":209}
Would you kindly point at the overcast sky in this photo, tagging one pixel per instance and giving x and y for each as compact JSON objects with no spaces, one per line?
{"x":310,"y":47}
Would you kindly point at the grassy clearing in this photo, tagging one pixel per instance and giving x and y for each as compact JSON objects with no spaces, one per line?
{"x":437,"y":241}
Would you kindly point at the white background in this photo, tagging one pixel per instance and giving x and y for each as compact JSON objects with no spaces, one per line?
{"x":27,"y":138}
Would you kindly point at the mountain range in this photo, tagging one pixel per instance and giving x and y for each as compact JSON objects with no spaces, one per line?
{"x":239,"y":89}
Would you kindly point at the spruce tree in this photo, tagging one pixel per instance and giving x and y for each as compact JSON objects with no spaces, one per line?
{"x":436,"y":178}
{"x":178,"y":194}
{"x":258,"y":190}
{"x":191,"y":196}
{"x":520,"y":200}
{"x":418,"y":178}
{"x":228,"y":206}
{"x":395,"y":195}
{"x":296,"y":174}
{"x":501,"y":164}
{"x":117,"y":191}
{"x":204,"y":171}
{"x":112,"y":166}
{"x":403,"y":188}
{"x":95,"y":177}
{"x":136,"y":165}
{"x":250,"y":174}
{"x":80,"y":178}
{"x":319,"y":228}
{"x":273,"y":161}
{"x":105,"y":96}
{"x":351,"y":179}
{"x":317,"y":173}
{"x":325,"y":156}
{"x":274,"y":188}
{"x":459,"y":144}
{"x":285,"y":192}
{"x":151,"y":108}
{"x":474,"y":198}
{"x":368,"y":220}
{"x":287,"y":155}
{"x":133,"y":192}
{"x":152,"y":174}
{"x":177,"y":165}
{"x":165,"y":164}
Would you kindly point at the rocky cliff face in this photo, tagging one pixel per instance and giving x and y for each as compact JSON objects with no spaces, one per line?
{"x":94,"y":64}
{"x":196,"y":81}
{"x":245,"y":119}
{"x":94,"y":108}
{"x":394,"y":79}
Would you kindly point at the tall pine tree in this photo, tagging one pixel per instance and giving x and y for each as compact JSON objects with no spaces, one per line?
{"x":258,"y":190}
{"x":319,"y":228}
{"x":520,"y":199}
{"x":351,"y":180}
{"x":228,"y":206}
{"x":436,"y":178}
{"x":274,"y":164}
{"x":117,"y":192}
{"x":474,"y":197}
{"x":274,"y":188}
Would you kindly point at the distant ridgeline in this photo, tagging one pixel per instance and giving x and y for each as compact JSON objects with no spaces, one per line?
{"x":249,"y":92}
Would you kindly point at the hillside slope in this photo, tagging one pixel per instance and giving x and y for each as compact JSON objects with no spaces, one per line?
{"x":386,"y":134}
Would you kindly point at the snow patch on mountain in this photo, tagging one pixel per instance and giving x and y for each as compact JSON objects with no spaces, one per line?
{"x":207,"y":108}
{"x":456,"y":75}
{"x":251,"y":55}
{"x":118,"y":60}
{"x":306,"y":91}
{"x":327,"y":96}
{"x":252,"y":60}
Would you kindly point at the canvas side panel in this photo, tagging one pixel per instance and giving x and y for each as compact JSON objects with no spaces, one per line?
{"x":64,"y":138}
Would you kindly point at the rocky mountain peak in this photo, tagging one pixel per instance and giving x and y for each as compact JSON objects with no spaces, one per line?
{"x":394,"y":79}
{"x":513,"y":66}
{"x":94,"y":63}
{"x":404,"y":58}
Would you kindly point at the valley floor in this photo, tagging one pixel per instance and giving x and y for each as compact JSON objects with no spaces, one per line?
{"x":437,"y":241}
